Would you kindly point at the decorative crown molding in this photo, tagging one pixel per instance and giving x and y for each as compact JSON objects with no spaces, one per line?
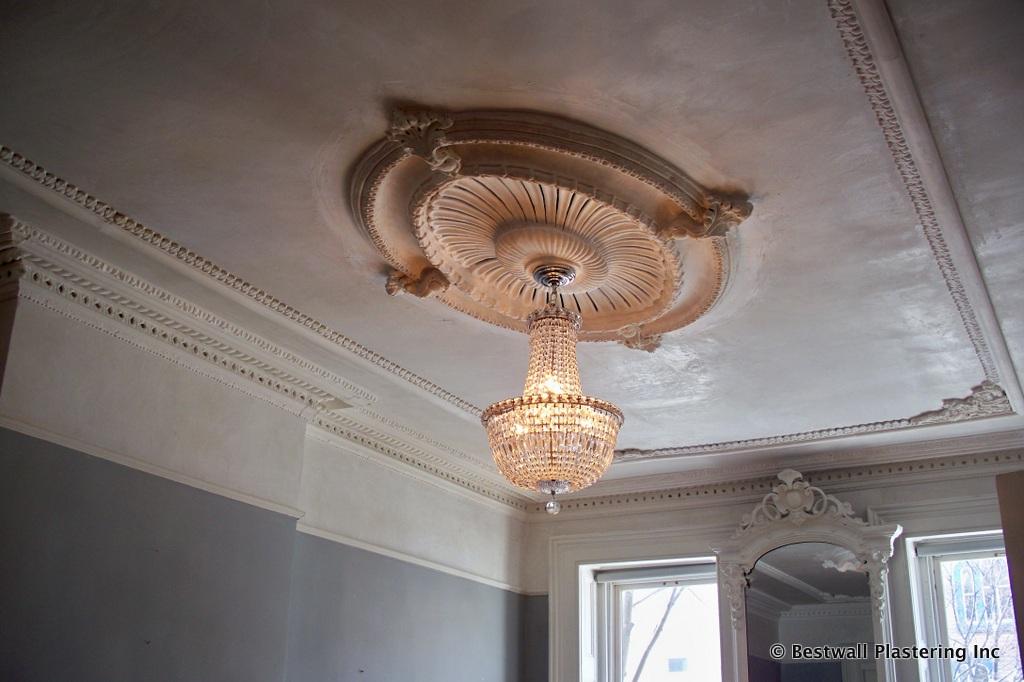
{"x":853,"y":36}
{"x":696,"y":207}
{"x":885,"y":472}
{"x":986,"y":400}
{"x":208,"y":268}
{"x":62,"y":278}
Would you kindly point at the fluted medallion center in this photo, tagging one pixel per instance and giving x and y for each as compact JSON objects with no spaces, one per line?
{"x":488,"y":234}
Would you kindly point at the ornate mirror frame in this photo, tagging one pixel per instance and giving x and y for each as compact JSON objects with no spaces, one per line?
{"x":797,"y":512}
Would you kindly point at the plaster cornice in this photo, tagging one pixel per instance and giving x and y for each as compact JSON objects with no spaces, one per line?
{"x":208,"y":268}
{"x":69,"y":281}
{"x":741,"y":489}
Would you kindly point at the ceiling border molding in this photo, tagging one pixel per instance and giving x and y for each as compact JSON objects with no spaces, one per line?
{"x":149,"y":236}
{"x":41,"y":267}
{"x":985,"y":400}
{"x":837,"y":478}
{"x":424,"y":438}
{"x":23,"y":232}
{"x":855,"y":39}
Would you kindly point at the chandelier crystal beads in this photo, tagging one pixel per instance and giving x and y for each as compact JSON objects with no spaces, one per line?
{"x":552,"y":439}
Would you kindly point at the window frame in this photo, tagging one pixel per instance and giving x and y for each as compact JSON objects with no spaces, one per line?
{"x":608,"y":585}
{"x":927,"y":594}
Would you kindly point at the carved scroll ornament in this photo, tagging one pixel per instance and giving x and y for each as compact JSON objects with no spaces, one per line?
{"x":986,"y":400}
{"x":795,"y":500}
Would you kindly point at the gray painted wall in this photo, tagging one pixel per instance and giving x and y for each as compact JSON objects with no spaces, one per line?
{"x":110,"y":574}
{"x":534,"y":639}
{"x":361,"y":617}
{"x":107,"y":573}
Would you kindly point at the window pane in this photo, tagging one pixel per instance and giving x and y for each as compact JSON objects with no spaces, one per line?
{"x":670,"y":634}
{"x":979,"y":617}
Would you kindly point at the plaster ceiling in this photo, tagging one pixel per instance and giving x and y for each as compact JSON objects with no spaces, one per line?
{"x":232,"y":127}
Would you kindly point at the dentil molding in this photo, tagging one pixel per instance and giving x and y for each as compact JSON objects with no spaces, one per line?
{"x":983,"y":462}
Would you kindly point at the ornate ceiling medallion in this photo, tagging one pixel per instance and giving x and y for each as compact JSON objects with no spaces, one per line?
{"x":466,"y":206}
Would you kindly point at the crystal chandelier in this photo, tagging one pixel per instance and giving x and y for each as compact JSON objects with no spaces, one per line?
{"x":552,"y":439}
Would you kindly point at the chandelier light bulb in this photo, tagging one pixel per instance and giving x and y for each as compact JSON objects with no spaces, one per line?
{"x":552,"y":439}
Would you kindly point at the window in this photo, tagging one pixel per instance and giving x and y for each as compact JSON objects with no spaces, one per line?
{"x":962,"y":600}
{"x":658,"y":624}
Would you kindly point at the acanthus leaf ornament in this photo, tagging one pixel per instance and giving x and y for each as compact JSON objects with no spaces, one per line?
{"x":721,"y":215}
{"x":987,"y":399}
{"x":718,"y":217}
{"x":633,"y":336}
{"x":429,"y":282}
{"x":421,"y":133}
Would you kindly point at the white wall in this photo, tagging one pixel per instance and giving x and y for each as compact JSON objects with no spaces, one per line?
{"x":355,"y":497}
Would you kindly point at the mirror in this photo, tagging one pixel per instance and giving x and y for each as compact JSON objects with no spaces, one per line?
{"x":816,"y":540}
{"x":809,"y":594}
